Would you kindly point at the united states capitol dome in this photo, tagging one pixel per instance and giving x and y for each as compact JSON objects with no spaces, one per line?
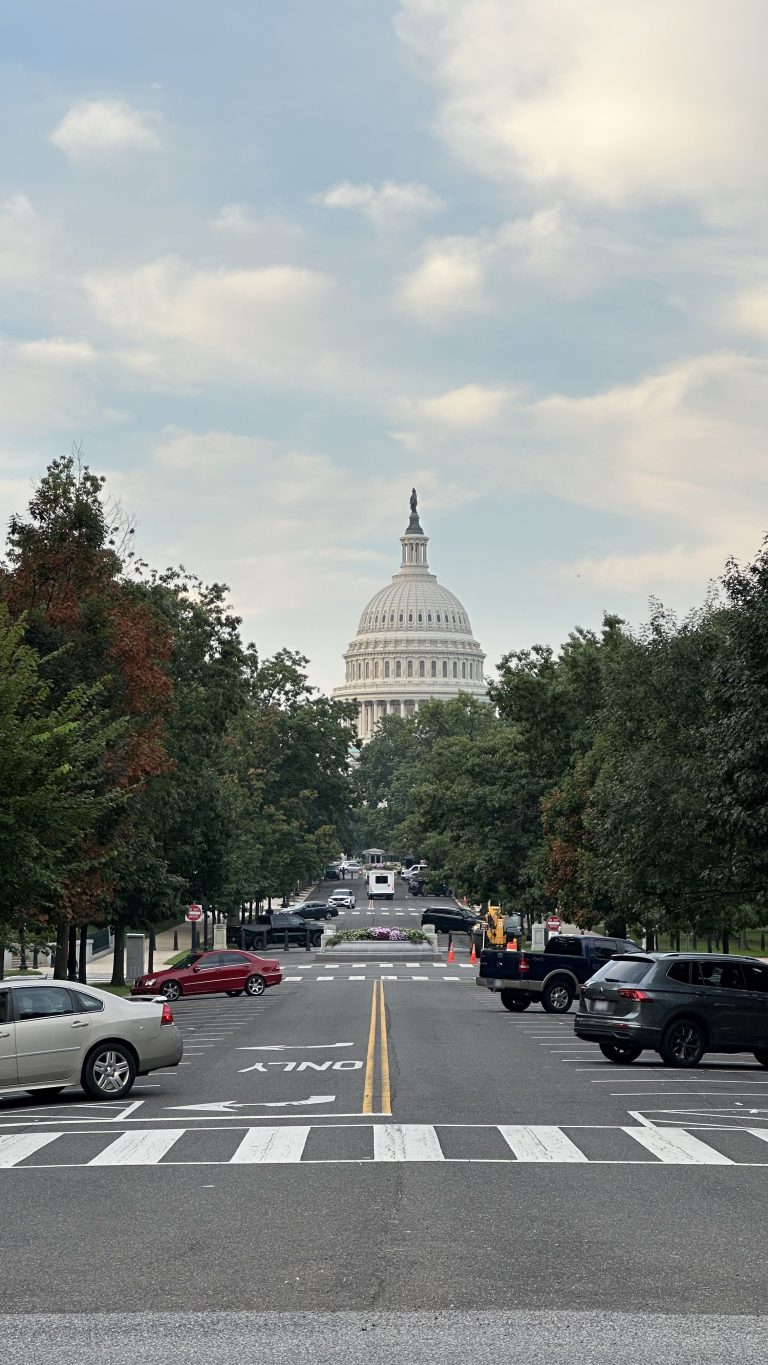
{"x":414,"y":642}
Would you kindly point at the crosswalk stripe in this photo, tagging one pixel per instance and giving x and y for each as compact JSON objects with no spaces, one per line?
{"x":406,"y":1142}
{"x":142,"y":1148}
{"x":540,"y":1143}
{"x":16,"y":1146}
{"x":759,"y":1133}
{"x":271,"y":1146}
{"x":676,"y":1147}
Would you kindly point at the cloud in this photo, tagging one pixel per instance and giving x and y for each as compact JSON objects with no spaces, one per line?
{"x":748,"y":312}
{"x":469,"y":408}
{"x":460,"y":276}
{"x":211,"y":452}
{"x":53,"y":386}
{"x":96,"y":128}
{"x":242,"y":221}
{"x":654,"y":572}
{"x":190,"y":325}
{"x":619,"y":103}
{"x":387,"y":205}
{"x":23,"y":243}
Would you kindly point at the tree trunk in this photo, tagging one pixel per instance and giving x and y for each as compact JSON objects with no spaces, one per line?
{"x":743,"y":942}
{"x":72,"y":953}
{"x":60,"y":961}
{"x":118,"y":961}
{"x":676,"y":940}
{"x":649,"y":940}
{"x":82,"y":970}
{"x":709,"y":942}
{"x":152,"y":946}
{"x":726,"y":940}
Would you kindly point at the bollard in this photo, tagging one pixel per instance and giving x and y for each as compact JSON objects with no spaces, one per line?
{"x":286,"y":940}
{"x":175,"y":940}
{"x":242,"y":938}
{"x":308,"y":934}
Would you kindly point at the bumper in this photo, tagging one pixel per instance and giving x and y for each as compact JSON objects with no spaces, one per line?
{"x":499,"y":983}
{"x":165,"y":1050}
{"x":594,"y":1030}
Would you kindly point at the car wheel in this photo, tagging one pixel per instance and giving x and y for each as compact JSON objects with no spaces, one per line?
{"x":761,"y":1056}
{"x":329,"y":914}
{"x":255,"y":985}
{"x":622,"y":1053}
{"x":48,"y":1093}
{"x":683,"y":1044}
{"x":557,"y":996}
{"x":234,"y":992}
{"x":515,"y":1001}
{"x":109,"y":1072}
{"x":171,"y":990}
{"x":316,"y":941}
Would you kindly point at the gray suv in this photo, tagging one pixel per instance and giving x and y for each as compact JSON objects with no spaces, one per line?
{"x":678,"y":1004}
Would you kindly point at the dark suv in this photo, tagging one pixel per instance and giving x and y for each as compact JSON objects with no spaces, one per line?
{"x":449,"y":919}
{"x":678,"y":1004}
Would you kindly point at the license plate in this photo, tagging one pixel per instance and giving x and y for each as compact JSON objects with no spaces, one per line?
{"x":600,"y":1006}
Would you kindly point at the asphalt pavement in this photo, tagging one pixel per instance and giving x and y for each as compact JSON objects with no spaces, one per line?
{"x":377,"y":1160}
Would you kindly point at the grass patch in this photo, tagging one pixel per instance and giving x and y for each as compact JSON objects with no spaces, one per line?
{"x":112,"y":990}
{"x":16,"y":972}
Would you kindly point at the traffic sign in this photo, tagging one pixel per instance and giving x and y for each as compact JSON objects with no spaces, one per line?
{"x":194,"y":913}
{"x":553,"y":924}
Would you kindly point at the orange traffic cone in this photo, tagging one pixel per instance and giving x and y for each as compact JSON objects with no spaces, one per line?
{"x":473,"y":954}
{"x":450,"y":951}
{"x":512,"y":945}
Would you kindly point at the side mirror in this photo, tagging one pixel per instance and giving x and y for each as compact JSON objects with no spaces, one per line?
{"x":195,"y":969}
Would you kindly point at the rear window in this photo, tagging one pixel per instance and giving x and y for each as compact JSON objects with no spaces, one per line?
{"x":625,"y":969}
{"x":568,"y":947}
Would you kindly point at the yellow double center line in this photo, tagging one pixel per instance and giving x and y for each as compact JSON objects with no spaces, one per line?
{"x":378,"y":1025}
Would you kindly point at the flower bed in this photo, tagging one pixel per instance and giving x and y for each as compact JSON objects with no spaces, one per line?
{"x":378,"y":934}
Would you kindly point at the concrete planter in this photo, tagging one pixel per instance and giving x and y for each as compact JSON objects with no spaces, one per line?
{"x":371,"y":950}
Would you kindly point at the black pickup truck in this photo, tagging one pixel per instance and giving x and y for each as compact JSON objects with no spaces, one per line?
{"x":272,"y":929}
{"x":554,"y":976}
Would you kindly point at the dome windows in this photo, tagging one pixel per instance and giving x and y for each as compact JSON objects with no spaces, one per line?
{"x":410,"y":668}
{"x":433,"y":668}
{"x":398,"y":669}
{"x":421,"y":618}
{"x":386,"y":668}
{"x":455,"y":669}
{"x":422,"y":669}
{"x":410,"y":618}
{"x":463,"y":670}
{"x":445,"y":668}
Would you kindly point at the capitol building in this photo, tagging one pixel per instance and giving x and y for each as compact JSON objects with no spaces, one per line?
{"x":414,"y":642}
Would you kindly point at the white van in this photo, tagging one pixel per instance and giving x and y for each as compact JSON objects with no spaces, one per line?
{"x":381,"y":884}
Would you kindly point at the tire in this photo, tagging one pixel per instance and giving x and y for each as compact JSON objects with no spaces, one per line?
{"x":316,"y":941}
{"x":683,"y":1044}
{"x":234,"y":992}
{"x":621,"y":1053}
{"x":171,"y":990}
{"x":515,"y":1001}
{"x":109,"y":1072}
{"x":557,"y":996}
{"x":761,"y":1056}
{"x":329,"y":914}
{"x":49,"y":1092}
{"x":255,"y":985}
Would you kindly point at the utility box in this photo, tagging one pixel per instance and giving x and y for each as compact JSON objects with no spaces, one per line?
{"x":220,"y":935}
{"x":538,"y":938}
{"x":134,"y":956}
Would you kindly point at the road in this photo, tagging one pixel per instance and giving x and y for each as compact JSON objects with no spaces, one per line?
{"x":376,"y":1161}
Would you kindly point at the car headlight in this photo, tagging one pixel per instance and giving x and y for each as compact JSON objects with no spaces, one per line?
{"x":149,"y":981}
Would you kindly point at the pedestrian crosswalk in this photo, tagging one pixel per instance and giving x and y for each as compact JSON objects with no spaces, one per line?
{"x":331,"y":1143}
{"x":374,"y":974}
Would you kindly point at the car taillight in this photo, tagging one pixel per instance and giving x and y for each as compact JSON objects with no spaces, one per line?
{"x":627,"y":994}
{"x":166,"y":1017}
{"x":523,"y":964}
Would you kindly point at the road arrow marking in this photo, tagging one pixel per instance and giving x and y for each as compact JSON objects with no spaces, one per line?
{"x":292,"y":1047}
{"x":230,"y":1106}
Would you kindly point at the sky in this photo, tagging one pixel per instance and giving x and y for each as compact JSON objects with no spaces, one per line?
{"x":270,"y":263}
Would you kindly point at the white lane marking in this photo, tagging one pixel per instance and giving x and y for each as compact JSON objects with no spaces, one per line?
{"x":413,"y":964}
{"x":292,"y":1047}
{"x":761,"y":1133}
{"x":139,"y":1148}
{"x":540,"y":1143}
{"x":451,"y":978}
{"x":271,"y":1146}
{"x":676,"y":1147}
{"x":392,"y":978}
{"x":399,"y":912}
{"x":386,"y":964}
{"x":355,"y":978}
{"x":421,"y":978}
{"x":15,"y":1147}
{"x":324,"y":978}
{"x":293,"y":978}
{"x":406,"y":1142}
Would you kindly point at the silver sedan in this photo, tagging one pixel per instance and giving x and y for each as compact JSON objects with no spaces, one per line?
{"x":58,"y":1033}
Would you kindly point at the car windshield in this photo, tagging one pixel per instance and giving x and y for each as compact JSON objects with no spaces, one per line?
{"x":624,"y":969}
{"x":189,"y":960}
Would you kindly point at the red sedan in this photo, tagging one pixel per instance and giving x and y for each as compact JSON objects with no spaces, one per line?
{"x":206,"y":973}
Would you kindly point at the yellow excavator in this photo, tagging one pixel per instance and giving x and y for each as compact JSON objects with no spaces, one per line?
{"x":496,"y":933}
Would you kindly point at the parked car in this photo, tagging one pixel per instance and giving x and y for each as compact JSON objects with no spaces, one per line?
{"x":351,"y":867}
{"x":345,"y":898}
{"x":210,"y":973}
{"x":332,"y":874}
{"x":681,"y":1005}
{"x":267,"y":929}
{"x":455,"y":919}
{"x":54,"y":1034}
{"x":316,"y":909}
{"x":554,"y":976}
